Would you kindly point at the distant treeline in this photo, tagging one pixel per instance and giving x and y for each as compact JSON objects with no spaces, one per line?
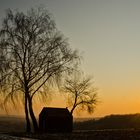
{"x":130,"y":121}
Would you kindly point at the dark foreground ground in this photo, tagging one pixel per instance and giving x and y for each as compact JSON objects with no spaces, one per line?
{"x":12,"y":128}
{"x":8,"y":137}
{"x":81,"y":135}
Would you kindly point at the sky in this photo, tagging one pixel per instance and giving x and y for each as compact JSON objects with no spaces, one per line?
{"x":107,"y":35}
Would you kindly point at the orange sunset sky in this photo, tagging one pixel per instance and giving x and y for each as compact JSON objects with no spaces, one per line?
{"x":107,"y":35}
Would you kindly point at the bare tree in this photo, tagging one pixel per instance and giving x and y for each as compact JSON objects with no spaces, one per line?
{"x":81,"y":93}
{"x":33,"y":52}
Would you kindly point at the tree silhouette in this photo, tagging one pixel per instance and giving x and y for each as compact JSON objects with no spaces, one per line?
{"x":81,"y":93}
{"x":33,"y":52}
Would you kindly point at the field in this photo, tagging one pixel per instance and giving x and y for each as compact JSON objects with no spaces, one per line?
{"x":10,"y":124}
{"x":14,"y":126}
{"x":89,"y":135}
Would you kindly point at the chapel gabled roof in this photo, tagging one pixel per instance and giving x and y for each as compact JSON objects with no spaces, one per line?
{"x":49,"y":111}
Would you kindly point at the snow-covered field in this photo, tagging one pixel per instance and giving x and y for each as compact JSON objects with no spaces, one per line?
{"x":7,"y":137}
{"x":81,"y":135}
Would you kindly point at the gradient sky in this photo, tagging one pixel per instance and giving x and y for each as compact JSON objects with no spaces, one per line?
{"x":107,"y":33}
